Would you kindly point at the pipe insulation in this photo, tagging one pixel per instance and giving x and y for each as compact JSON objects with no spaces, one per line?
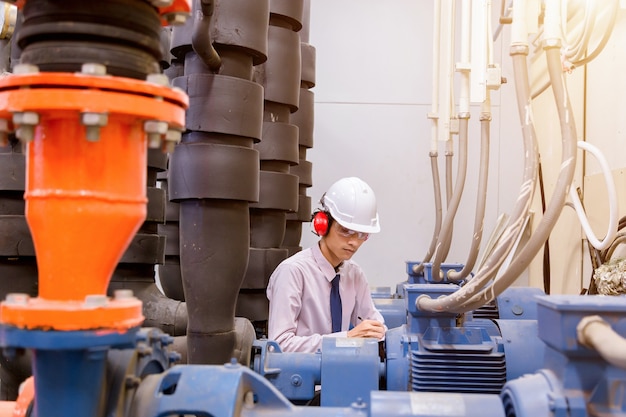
{"x":214,"y":172}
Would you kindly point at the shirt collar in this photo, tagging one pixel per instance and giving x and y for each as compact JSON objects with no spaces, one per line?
{"x":327,"y":269}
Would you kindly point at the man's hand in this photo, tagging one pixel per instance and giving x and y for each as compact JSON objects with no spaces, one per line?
{"x":368,"y":328}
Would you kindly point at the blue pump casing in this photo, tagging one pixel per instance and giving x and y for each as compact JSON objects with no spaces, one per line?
{"x":575,"y":380}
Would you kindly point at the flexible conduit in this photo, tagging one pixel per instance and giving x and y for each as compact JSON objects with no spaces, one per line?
{"x":481,"y":198}
{"x":446,"y":229}
{"x":557,"y":202}
{"x":613,"y":213}
{"x":519,"y":52}
{"x":434,"y":116}
{"x":485,"y":135}
{"x":464,"y":68}
{"x":445,"y":239}
{"x":446,"y":109}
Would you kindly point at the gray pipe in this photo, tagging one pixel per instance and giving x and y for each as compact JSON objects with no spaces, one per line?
{"x":201,"y":36}
{"x":453,"y":204}
{"x":434,"y":167}
{"x":446,"y":239}
{"x":481,"y":198}
{"x":557,"y":202}
{"x":520,"y":210}
{"x":214,"y":245}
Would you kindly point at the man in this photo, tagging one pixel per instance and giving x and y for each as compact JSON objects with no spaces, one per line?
{"x":320,"y":291}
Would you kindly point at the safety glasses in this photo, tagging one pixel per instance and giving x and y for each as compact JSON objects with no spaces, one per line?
{"x":345,"y":232}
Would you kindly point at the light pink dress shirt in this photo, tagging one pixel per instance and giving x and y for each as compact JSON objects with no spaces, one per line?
{"x":299,"y":295}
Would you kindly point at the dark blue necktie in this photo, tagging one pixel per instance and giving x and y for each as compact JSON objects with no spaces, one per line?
{"x":335,"y":304}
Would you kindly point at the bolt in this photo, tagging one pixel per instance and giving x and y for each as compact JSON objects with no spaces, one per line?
{"x":93,"y":122}
{"x":17,"y":299}
{"x":120,"y":295}
{"x":144,"y":350}
{"x":141,"y":337}
{"x":166,"y":340}
{"x":172,"y":138}
{"x":132,"y":381}
{"x":232,"y":364}
{"x":158,"y":78}
{"x":296,"y":380}
{"x":25,"y":133}
{"x":94,"y":119}
{"x":95,"y":300}
{"x":26,"y":122}
{"x":359,"y":404}
{"x":92,"y":68}
{"x":23,"y":69}
{"x":176,"y":19}
{"x":174,"y":357}
{"x":155,"y":130}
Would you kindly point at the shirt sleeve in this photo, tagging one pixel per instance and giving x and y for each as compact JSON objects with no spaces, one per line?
{"x":365,"y":308}
{"x":284,"y":292}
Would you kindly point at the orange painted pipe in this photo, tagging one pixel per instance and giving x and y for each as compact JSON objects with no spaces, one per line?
{"x":177,"y":6}
{"x":85,"y":199}
{"x":84,"y":202}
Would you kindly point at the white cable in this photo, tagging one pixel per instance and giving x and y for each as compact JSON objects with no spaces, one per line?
{"x":613,"y":211}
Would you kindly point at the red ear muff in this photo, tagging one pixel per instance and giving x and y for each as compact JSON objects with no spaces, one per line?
{"x":320,"y":223}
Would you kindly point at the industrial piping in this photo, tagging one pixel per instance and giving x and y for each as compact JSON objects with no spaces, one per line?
{"x":85,"y":193}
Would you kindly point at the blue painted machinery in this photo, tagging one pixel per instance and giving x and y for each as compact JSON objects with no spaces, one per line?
{"x":575,"y":379}
{"x":446,"y":352}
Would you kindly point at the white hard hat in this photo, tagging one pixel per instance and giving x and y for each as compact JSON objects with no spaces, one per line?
{"x":352,"y":203}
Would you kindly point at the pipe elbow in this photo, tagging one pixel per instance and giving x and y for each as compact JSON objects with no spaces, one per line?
{"x":201,"y":38}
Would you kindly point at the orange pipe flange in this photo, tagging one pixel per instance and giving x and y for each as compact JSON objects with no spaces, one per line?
{"x":177,"y":6}
{"x":85,"y":199}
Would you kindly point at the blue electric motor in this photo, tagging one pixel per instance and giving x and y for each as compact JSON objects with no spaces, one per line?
{"x":575,"y":380}
{"x":445,"y":352}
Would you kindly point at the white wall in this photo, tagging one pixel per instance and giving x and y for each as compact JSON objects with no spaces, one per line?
{"x":372,"y":96}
